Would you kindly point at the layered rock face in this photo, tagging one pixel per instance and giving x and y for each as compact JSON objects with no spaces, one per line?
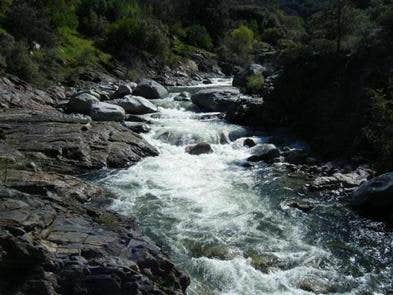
{"x":57,"y":235}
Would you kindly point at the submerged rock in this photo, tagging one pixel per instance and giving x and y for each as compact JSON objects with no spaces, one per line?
{"x":135,"y":105}
{"x":150,"y":89}
{"x":184,"y":96}
{"x":137,"y":127}
{"x":340,"y":180}
{"x":199,"y":149}
{"x":375,"y":197}
{"x":216,"y":99}
{"x":248,"y":142}
{"x":264,"y":152}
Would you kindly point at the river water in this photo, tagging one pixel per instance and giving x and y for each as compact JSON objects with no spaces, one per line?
{"x":228,"y":225}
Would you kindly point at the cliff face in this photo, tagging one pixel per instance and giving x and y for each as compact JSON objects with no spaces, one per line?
{"x":56,"y":234}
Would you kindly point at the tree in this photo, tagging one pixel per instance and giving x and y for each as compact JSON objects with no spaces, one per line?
{"x":335,"y":23}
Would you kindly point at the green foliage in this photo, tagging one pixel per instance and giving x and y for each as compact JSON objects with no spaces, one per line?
{"x":243,"y":38}
{"x":20,"y":62}
{"x":77,"y":51}
{"x":255,"y":83}
{"x":197,"y":35}
{"x":62,"y":13}
{"x":28,"y":22}
{"x":138,"y":33}
{"x":272,"y":35}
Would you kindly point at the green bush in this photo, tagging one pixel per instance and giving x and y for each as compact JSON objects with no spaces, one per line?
{"x":238,"y":45}
{"x":197,"y":35}
{"x":28,"y":22}
{"x":20,"y":63}
{"x":273,"y":35}
{"x":77,"y":51}
{"x":144,"y":34}
{"x":255,"y":83}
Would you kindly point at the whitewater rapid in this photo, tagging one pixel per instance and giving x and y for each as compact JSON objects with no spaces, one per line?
{"x":227,"y":224}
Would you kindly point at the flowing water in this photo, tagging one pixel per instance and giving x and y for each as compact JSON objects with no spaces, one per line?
{"x":228,"y":225}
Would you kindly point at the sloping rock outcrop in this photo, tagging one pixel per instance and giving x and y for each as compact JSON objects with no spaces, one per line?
{"x":57,"y":235}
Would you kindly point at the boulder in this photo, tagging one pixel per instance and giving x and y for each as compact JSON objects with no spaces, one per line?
{"x":264,"y":152}
{"x":216,"y":99}
{"x":122,"y":91}
{"x":150,"y":89}
{"x":135,"y":105}
{"x":107,"y":112}
{"x":137,"y":127}
{"x":81,"y":103}
{"x":199,"y":149}
{"x":340,"y":180}
{"x":184,"y":96}
{"x":375,"y":197}
{"x":248,"y":142}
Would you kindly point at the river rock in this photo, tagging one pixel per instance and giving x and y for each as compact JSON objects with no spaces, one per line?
{"x":70,"y":144}
{"x":122,"y":91}
{"x":264,"y":152}
{"x":56,"y":234}
{"x":150,"y":89}
{"x":135,"y":105}
{"x":216,"y":99}
{"x":81,"y":103}
{"x":137,"y":127}
{"x":375,"y":197}
{"x":248,"y":142}
{"x":199,"y":149}
{"x":107,"y":112}
{"x":184,"y":96}
{"x":56,"y":238}
{"x":340,"y":180}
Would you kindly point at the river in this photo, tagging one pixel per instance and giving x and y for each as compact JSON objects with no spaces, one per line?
{"x":229,"y":226}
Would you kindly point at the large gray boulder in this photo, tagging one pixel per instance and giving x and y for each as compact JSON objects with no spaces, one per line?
{"x":375,"y":197}
{"x":264,"y":152}
{"x":150,"y":89}
{"x":81,"y":103}
{"x":135,"y":105}
{"x":216,"y":99}
{"x":107,"y":112}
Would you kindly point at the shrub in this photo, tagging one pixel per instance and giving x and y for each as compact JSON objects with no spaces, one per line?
{"x":243,"y":38}
{"x":238,"y":45}
{"x":197,"y":35}
{"x":144,"y":34}
{"x":27,"y":22}
{"x":19,"y":62}
{"x":272,"y":35}
{"x":255,"y":83}
{"x":77,"y":51}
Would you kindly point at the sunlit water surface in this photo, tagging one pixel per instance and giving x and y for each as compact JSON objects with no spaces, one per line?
{"x":228,"y":225}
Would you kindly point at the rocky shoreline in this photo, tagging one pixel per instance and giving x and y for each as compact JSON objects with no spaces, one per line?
{"x":57,"y":234}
